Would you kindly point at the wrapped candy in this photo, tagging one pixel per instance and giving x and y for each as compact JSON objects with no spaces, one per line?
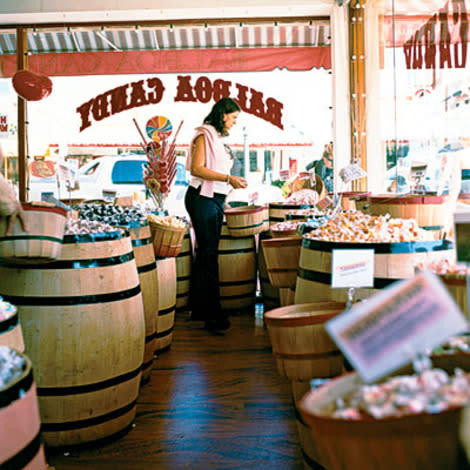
{"x":431,"y":391}
{"x":11,"y":366}
{"x":357,"y":227}
{"x":7,"y":310}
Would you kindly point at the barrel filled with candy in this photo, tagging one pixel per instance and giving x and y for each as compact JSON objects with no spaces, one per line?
{"x":84,"y":329}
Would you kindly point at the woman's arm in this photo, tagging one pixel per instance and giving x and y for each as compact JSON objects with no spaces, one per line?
{"x":198,"y":167}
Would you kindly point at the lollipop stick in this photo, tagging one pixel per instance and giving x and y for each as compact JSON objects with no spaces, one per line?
{"x":140,"y":132}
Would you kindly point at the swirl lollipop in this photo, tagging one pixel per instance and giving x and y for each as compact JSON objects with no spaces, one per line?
{"x":158,"y":125}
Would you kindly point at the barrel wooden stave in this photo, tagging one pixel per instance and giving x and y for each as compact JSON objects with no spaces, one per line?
{"x":310,"y":451}
{"x":183,"y":272}
{"x":282,"y":260}
{"x":166,"y":271}
{"x":301,"y":346}
{"x":20,"y":426}
{"x":270,"y":294}
{"x":237,"y":271}
{"x":147,"y":270}
{"x":79,"y":340}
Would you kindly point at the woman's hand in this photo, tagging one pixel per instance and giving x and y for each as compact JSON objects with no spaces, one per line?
{"x":237,"y":182}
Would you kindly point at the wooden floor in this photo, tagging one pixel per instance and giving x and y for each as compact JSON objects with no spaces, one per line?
{"x":212,"y":402}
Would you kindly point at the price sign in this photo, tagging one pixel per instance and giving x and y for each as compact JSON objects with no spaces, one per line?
{"x":351,"y":172}
{"x":352,"y":268}
{"x":388,"y":330}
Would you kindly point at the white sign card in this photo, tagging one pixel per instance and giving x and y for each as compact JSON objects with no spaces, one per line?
{"x":462,"y":236}
{"x":352,"y":268}
{"x":388,"y":330}
{"x":351,"y":172}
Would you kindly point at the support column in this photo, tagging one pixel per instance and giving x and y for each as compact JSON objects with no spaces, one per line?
{"x":357,"y":87}
{"x":22,"y":63}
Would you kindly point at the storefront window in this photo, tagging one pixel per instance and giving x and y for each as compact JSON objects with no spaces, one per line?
{"x":424,"y":83}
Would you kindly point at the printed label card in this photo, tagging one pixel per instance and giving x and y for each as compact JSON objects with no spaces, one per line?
{"x":388,"y":330}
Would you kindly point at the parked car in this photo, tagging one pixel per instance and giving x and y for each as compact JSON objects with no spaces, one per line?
{"x":109,"y":177}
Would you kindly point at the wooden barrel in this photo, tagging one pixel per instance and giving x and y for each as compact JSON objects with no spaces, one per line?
{"x":282,"y":260}
{"x":348,"y":199}
{"x":427,"y":441}
{"x":166,"y":271}
{"x":83,"y":324}
{"x":431,"y":212}
{"x":147,"y":270}
{"x":20,"y":425}
{"x":183,"y":272}
{"x":246,"y":220}
{"x":43,"y":240}
{"x":310,"y":452}
{"x":11,"y":334}
{"x":286,"y":296}
{"x":392,"y":262}
{"x":269,"y":293}
{"x":301,"y":346}
{"x":237,"y":271}
{"x":279,"y":210}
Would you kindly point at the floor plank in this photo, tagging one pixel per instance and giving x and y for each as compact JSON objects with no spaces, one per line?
{"x":212,"y":402}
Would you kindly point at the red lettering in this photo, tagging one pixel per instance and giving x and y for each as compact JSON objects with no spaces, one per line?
{"x":184,"y":91}
{"x":429,"y":43}
{"x":3,"y":127}
{"x":408,"y":50}
{"x":274,"y":112}
{"x":119,"y":99}
{"x":256,"y":103}
{"x":242,"y":98}
{"x":155,"y":96}
{"x":100,"y":107}
{"x":84,"y":111}
{"x":203,"y":89}
{"x":138,"y":95}
{"x":221,"y":89}
{"x":3,"y":119}
{"x":417,"y":52}
{"x":444,"y":43}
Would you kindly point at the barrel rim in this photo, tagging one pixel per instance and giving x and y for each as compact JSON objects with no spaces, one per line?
{"x":407,"y":199}
{"x":31,"y":206}
{"x":380,"y":248}
{"x":251,"y":209}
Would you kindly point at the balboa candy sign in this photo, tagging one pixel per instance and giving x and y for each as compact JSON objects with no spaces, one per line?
{"x":152,"y":90}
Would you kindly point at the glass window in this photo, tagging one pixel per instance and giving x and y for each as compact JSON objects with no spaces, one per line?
{"x":424,"y":93}
{"x":253,"y":160}
{"x":127,"y":172}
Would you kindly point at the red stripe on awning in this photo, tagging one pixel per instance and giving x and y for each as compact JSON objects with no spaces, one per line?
{"x":190,"y":61}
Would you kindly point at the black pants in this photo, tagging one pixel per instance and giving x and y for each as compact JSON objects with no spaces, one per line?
{"x":207,"y":216}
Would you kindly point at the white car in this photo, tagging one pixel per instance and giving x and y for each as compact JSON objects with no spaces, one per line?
{"x":109,"y":177}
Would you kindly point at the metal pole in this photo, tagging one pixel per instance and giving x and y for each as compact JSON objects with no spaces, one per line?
{"x":246,"y":153}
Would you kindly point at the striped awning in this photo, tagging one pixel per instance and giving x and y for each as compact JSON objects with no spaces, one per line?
{"x":315,"y":33}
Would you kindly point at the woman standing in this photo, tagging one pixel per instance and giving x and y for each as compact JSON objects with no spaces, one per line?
{"x":209,"y":165}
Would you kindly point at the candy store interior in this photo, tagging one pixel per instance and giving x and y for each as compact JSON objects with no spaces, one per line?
{"x":353,"y":140}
